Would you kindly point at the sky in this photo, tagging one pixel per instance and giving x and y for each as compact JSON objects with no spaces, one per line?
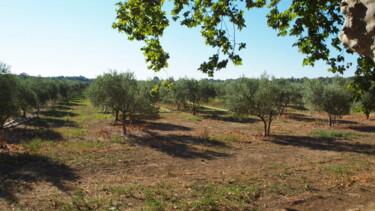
{"x":75,"y":37}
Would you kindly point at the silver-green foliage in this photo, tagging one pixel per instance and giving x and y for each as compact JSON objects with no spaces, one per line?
{"x":254,"y":97}
{"x":27,"y":98}
{"x":332,"y":98}
{"x":190,"y":92}
{"x":288,"y":93}
{"x":121,"y":92}
{"x":367,"y":103}
{"x":8,"y":94}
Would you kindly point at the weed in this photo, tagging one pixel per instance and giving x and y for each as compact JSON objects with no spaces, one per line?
{"x":204,"y":135}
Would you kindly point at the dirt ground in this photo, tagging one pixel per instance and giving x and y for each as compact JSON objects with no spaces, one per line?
{"x":73,"y":158}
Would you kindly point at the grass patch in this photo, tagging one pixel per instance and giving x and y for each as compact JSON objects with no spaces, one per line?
{"x":36,"y":144}
{"x":350,"y":167}
{"x":325,"y":134}
{"x":230,"y":196}
{"x":195,"y":118}
{"x":226,"y":138}
{"x":339,"y":169}
{"x":102,"y":116}
{"x":280,"y":189}
{"x":166,"y":196}
{"x":119,"y":140}
{"x":77,"y":133}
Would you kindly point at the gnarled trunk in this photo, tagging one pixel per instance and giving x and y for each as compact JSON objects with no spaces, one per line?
{"x":116,"y":113}
{"x":123,"y":124}
{"x":265,"y":126}
{"x":367,"y":115}
{"x":269,"y":124}
{"x":332,"y":119}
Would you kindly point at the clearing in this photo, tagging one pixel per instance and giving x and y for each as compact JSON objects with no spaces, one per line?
{"x":72,"y":158}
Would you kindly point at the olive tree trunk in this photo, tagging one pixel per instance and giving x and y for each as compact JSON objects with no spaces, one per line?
{"x":123,"y":124}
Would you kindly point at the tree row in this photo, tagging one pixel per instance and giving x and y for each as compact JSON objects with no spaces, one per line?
{"x":20,"y":95}
{"x":266,"y":97}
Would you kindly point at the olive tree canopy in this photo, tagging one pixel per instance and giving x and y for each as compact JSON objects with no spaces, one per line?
{"x":8,"y":94}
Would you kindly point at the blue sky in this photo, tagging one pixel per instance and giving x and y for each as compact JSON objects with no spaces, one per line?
{"x":75,"y":37}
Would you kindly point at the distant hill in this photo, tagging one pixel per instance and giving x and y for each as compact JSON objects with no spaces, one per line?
{"x":73,"y":78}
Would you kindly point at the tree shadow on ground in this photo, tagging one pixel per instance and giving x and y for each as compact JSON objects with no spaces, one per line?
{"x":305,"y":118}
{"x":167,"y":127}
{"x":239,"y":120}
{"x":58,"y":114}
{"x":227,"y":117}
{"x":186,"y":147}
{"x":18,"y":135}
{"x":142,"y":118}
{"x":19,"y":171}
{"x":298,"y":107}
{"x":368,"y":129}
{"x":324,"y":144}
{"x":213,"y":113}
{"x":302,"y":117}
{"x":51,"y":123}
{"x":72,"y":103}
{"x":346,"y":122}
{"x":62,"y":107}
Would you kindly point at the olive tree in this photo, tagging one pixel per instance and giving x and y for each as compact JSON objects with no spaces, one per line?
{"x":254,"y":97}
{"x":8,"y":97}
{"x":333,"y":98}
{"x":41,"y":89}
{"x":26,"y":97}
{"x":99,"y":96}
{"x":167,"y":92}
{"x":178,"y":94}
{"x":121,"y":92}
{"x":288,"y":93}
{"x":8,"y":94}
{"x":194,"y":93}
{"x":367,"y":103}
